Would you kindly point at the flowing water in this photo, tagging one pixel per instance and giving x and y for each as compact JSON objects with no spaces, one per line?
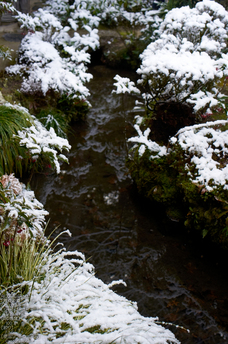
{"x":124,"y":237}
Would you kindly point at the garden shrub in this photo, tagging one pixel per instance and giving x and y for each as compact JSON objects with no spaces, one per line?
{"x":189,"y":175}
{"x":188,"y":62}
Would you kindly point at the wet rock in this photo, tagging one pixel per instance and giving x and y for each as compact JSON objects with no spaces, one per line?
{"x":13,"y":37}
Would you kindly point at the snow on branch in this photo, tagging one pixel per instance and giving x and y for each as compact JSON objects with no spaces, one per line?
{"x":52,"y":59}
{"x":143,"y":142}
{"x":40,"y":141}
{"x":124,"y":85}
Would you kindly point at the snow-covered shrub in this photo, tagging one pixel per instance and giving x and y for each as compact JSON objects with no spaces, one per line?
{"x":189,"y":175}
{"x":188,"y":63}
{"x":43,"y":144}
{"x":26,"y":143}
{"x":22,"y":214}
{"x":52,"y":59}
{"x":204,"y":147}
{"x":70,"y":305}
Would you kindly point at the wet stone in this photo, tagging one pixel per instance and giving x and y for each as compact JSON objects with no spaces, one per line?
{"x":7,"y":18}
{"x":13,"y":37}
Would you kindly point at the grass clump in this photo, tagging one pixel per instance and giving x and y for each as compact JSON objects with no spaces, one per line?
{"x":12,"y":120}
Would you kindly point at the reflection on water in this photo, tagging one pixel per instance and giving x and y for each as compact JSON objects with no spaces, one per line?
{"x":124,"y":237}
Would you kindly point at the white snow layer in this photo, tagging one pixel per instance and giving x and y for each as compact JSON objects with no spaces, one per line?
{"x":189,"y":55}
{"x":93,"y":313}
{"x":205,"y":146}
{"x":38,"y":140}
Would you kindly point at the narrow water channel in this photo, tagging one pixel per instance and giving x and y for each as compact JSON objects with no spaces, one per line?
{"x":123,"y":237}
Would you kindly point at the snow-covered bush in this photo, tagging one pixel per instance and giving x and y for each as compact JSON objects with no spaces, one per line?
{"x":188,"y":63}
{"x":52,"y":59}
{"x":22,"y":215}
{"x":43,"y":144}
{"x":204,"y":148}
{"x":189,"y":175}
{"x":26,"y":143}
{"x":66,"y":303}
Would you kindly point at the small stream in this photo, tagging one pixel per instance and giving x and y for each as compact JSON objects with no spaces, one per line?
{"x":124,"y":237}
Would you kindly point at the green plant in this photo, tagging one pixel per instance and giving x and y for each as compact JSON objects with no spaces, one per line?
{"x":12,"y":120}
{"x":5,"y":52}
{"x":19,"y":259}
{"x":56,"y":119}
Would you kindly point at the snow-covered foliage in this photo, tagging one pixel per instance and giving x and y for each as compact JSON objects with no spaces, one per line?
{"x":21,"y":213}
{"x":188,"y":62}
{"x":70,"y":305}
{"x":52,"y":59}
{"x":203,"y":147}
{"x":105,"y":11}
{"x":5,"y":53}
{"x":124,"y":85}
{"x":42,"y":142}
{"x":142,"y":142}
{"x":45,"y":70}
{"x":7,"y":6}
